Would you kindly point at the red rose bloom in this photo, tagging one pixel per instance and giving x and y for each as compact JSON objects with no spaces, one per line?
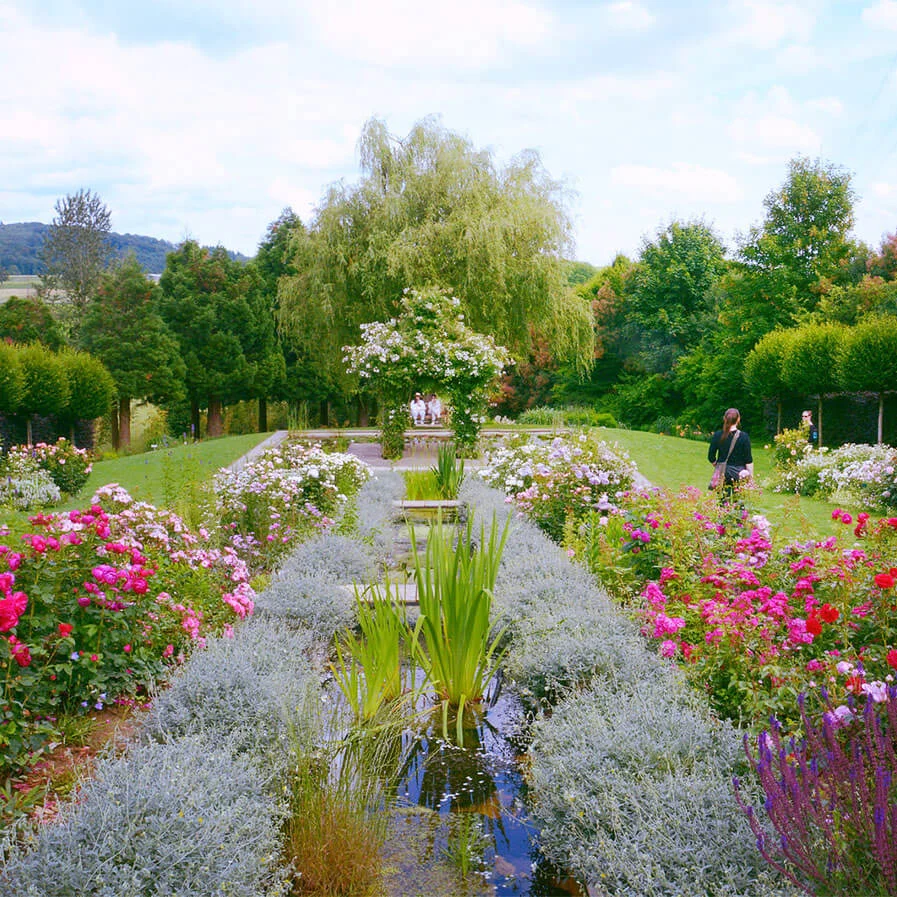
{"x":892,"y":658}
{"x":19,"y":651}
{"x":65,"y":629}
{"x":11,"y":608}
{"x":814,"y":626}
{"x":828,"y":613}
{"x":884,"y":580}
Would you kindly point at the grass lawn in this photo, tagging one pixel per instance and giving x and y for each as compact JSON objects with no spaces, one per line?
{"x":673,"y":462}
{"x":165,"y":477}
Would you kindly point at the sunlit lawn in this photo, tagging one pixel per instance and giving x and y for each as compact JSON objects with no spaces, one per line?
{"x":162,"y":477}
{"x":673,"y":462}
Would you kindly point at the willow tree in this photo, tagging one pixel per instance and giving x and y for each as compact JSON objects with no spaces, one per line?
{"x":431,"y":209}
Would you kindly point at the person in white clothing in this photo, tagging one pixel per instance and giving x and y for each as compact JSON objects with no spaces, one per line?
{"x":418,"y":409}
{"x":434,"y":410}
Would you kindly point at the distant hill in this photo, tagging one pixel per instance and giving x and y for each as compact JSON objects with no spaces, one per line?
{"x":20,"y":246}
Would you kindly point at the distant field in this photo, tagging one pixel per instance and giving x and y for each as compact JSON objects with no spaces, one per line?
{"x":18,"y":285}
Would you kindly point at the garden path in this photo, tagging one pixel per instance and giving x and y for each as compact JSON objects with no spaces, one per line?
{"x":274,"y":439}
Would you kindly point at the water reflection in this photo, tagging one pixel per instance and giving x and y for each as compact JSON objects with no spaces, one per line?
{"x":461,"y":827}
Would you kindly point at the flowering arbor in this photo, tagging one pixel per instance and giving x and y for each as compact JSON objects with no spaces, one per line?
{"x":428,"y":344}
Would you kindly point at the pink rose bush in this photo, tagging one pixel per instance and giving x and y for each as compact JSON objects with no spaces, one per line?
{"x":67,"y":465}
{"x":88,"y":613}
{"x":754,"y":623}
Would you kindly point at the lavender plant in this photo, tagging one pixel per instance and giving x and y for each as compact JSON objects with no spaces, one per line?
{"x":629,"y":783}
{"x":179,"y":818}
{"x":831,"y":799}
{"x":242,"y":692}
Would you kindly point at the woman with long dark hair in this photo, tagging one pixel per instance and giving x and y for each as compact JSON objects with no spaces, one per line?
{"x":730,"y":453}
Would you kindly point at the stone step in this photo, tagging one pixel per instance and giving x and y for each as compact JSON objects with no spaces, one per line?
{"x":405,"y":592}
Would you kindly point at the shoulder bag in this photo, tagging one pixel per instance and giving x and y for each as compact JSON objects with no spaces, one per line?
{"x":719,"y":469}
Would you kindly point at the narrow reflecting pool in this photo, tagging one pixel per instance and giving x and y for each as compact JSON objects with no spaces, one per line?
{"x":461,"y":827}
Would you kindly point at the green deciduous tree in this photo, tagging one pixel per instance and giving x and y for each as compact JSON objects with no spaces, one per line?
{"x":432,"y":209}
{"x":669,"y":303}
{"x":91,"y":389}
{"x":868,"y":361}
{"x":208,"y":301}
{"x":123,"y":328}
{"x":29,"y":320}
{"x":76,"y":250}
{"x":803,"y":244}
{"x":812,"y":363}
{"x":849,"y":304}
{"x":11,"y":380}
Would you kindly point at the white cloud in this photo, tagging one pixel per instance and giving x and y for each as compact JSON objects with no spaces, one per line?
{"x":830,"y":106}
{"x":882,"y":15}
{"x":764,"y":25}
{"x":697,"y":182}
{"x":754,"y":159}
{"x":465,"y":33}
{"x":799,"y":59}
{"x":775,"y":132}
{"x":627,"y":15}
{"x":884,"y":189}
{"x":288,"y":193}
{"x":775,"y":124}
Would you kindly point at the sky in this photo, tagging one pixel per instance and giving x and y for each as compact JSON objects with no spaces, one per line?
{"x":202,"y":119}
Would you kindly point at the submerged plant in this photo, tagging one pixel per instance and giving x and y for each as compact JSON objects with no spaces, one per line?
{"x":466,"y":844}
{"x":449,"y":471}
{"x":455,"y":644}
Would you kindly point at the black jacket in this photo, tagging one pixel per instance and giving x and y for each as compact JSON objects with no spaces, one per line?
{"x":741,"y":453}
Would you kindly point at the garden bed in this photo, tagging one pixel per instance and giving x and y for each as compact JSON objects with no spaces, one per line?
{"x":656,"y":764}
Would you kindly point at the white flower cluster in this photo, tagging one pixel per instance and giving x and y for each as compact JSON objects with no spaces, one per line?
{"x":28,"y":489}
{"x":290,"y":476}
{"x":514,"y":466}
{"x":860,"y":474}
{"x":428,"y":340}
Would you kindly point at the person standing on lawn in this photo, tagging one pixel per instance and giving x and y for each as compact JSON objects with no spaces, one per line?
{"x":806,"y":423}
{"x":730,"y":453}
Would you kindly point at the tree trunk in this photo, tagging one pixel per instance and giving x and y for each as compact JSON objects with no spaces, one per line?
{"x":194,"y":419}
{"x":124,"y":423}
{"x":28,"y":430}
{"x":778,"y":416}
{"x":364,"y":414}
{"x":215,"y":426}
{"x":819,"y":425}
{"x":323,"y":408}
{"x":263,"y":414}
{"x":72,"y":434}
{"x":881,"y":416}
{"x":113,"y":426}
